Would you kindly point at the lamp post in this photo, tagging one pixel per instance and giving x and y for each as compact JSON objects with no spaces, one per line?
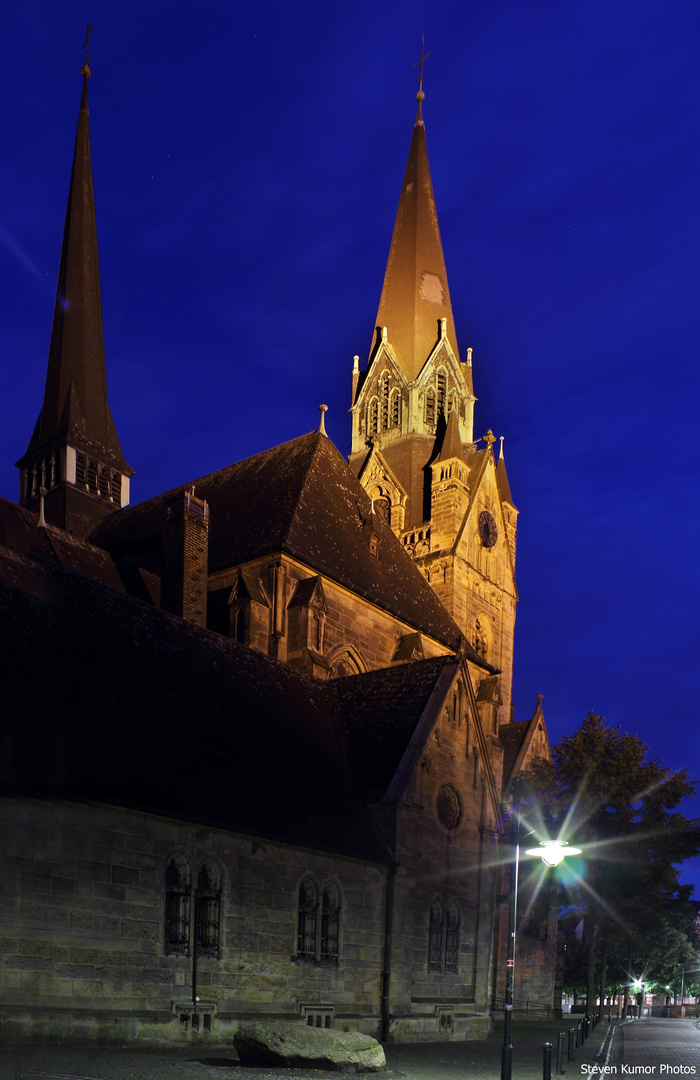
{"x":552,"y":852}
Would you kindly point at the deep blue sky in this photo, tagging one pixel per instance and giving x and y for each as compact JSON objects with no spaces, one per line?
{"x":248,"y":159}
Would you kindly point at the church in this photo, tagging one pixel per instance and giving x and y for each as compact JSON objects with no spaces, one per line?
{"x":259,"y":746}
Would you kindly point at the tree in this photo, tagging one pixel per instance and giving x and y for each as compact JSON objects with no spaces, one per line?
{"x":600,"y":792}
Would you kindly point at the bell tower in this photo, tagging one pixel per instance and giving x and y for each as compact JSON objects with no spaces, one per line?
{"x":445,"y":494}
{"x":74,"y":457}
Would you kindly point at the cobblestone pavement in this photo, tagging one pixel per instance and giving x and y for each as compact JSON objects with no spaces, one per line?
{"x":674,"y":1044}
{"x":656,"y":1047}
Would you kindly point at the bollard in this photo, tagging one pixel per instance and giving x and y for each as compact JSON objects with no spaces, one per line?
{"x":547,"y":1061}
{"x":578,"y":1034}
{"x":560,"y":1053}
{"x":570,"y":1048}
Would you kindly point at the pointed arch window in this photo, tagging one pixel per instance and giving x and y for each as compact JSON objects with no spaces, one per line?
{"x":452,"y":938}
{"x":330,"y":922}
{"x":430,"y":406}
{"x":373,"y":417}
{"x":395,"y":410}
{"x":306,"y":919}
{"x":385,"y":402}
{"x":443,"y":947}
{"x":177,"y":906}
{"x":441,"y":392}
{"x":437,"y":918}
{"x":208,"y":908}
{"x":318,"y":922}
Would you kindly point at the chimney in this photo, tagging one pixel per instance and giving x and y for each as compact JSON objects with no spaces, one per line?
{"x":185,"y":550}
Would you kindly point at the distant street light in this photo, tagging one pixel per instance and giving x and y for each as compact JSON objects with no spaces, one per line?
{"x":552,"y":852}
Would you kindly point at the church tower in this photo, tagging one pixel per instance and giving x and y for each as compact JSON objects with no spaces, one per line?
{"x":444,"y":494}
{"x":74,"y":461}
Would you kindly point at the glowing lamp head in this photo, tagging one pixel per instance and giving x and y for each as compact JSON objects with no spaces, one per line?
{"x":552,"y":852}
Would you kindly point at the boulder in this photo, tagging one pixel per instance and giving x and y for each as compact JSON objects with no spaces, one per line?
{"x":312,"y":1048}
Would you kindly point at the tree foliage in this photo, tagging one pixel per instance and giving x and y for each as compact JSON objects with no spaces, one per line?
{"x":601,"y":793}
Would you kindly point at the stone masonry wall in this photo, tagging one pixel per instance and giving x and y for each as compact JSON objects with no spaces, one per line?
{"x":82,"y":902}
{"x":450,"y":861}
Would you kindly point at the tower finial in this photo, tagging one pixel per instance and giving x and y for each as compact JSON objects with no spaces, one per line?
{"x":419,"y":64}
{"x":500,"y":457}
{"x":85,"y":69}
{"x":323,"y":409}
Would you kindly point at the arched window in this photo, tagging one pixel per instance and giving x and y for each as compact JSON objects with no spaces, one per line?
{"x":452,"y":937}
{"x":385,"y":401}
{"x":441,"y":391}
{"x":208,"y":908}
{"x":177,"y":906}
{"x":437,"y":918}
{"x":443,"y":948}
{"x":306,"y":920}
{"x":330,"y":922}
{"x":373,"y":417}
{"x":430,"y":406}
{"x":318,"y":922}
{"x":395,"y":409}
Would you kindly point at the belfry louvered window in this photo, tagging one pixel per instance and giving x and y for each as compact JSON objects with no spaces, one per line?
{"x":385,"y":402}
{"x":441,"y":391}
{"x":395,"y":410}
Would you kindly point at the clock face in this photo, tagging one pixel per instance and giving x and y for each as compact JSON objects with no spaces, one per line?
{"x":487,"y":529}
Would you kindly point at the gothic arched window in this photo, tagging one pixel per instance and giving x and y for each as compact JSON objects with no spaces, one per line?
{"x":437,"y":918}
{"x":373,"y":417}
{"x":330,"y":922}
{"x":452,"y":937}
{"x":385,"y":401}
{"x":395,"y":409}
{"x":441,"y":392}
{"x":177,"y":905}
{"x":208,"y":908}
{"x":430,"y":407}
{"x":306,"y":919}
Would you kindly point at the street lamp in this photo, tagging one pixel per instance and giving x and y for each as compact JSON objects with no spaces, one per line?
{"x":552,"y":852}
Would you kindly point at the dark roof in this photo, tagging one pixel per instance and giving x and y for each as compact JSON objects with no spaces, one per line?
{"x":20,"y":531}
{"x":381,"y":711}
{"x":511,"y":736}
{"x":158,"y":714}
{"x":303,"y":499}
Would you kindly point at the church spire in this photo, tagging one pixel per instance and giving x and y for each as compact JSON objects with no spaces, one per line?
{"x":74,"y":451}
{"x":415,"y":294}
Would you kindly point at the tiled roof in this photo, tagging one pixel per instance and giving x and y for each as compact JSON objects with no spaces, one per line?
{"x":303,"y":499}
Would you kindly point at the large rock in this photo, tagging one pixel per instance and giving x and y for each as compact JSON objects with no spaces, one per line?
{"x":313,"y":1048}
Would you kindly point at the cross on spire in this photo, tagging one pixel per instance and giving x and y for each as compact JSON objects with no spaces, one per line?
{"x":419,"y":63}
{"x":85,"y":70}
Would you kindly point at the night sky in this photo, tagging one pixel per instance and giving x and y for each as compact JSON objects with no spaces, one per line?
{"x":248,"y":159}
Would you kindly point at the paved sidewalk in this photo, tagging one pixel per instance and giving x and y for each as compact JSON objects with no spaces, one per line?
{"x":674,"y":1044}
{"x":660,"y":1048}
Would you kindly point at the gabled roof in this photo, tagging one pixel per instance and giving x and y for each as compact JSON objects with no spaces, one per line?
{"x":415,"y":293}
{"x":300,"y":498}
{"x":75,"y":399}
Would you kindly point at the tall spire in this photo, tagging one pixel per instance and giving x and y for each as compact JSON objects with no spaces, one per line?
{"x":75,"y":441}
{"x":415,"y":294}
